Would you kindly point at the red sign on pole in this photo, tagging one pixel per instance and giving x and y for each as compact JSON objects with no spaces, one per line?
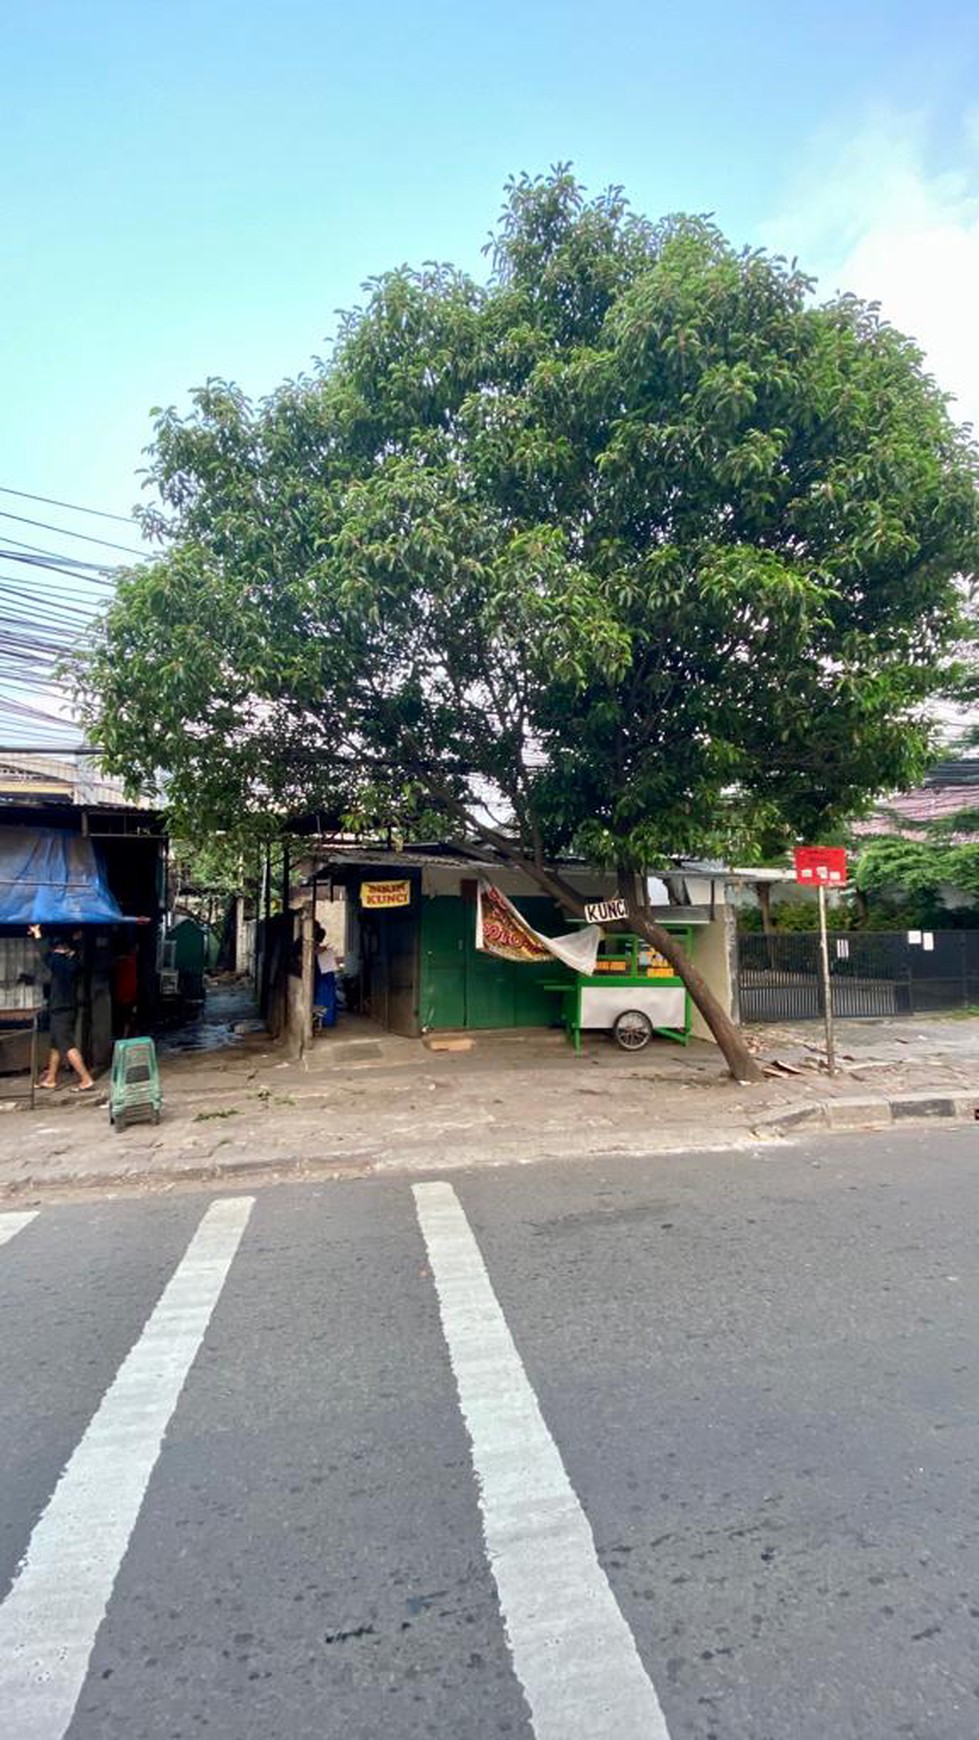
{"x":820,"y":865}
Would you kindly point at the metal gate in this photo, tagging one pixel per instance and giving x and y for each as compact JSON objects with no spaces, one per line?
{"x":873,"y":973}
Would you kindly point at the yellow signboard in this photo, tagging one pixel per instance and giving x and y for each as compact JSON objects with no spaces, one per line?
{"x":374,"y":895}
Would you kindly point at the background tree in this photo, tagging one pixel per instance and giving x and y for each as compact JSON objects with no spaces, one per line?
{"x":633,"y":550}
{"x":906,"y":879}
{"x":209,"y":872}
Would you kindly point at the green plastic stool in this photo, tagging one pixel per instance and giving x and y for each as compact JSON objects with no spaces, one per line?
{"x":134,"y":1094}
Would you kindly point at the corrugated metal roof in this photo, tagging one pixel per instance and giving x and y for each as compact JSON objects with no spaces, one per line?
{"x":963,"y":771}
{"x":380,"y":857}
{"x":26,"y":778}
{"x":921,"y":809}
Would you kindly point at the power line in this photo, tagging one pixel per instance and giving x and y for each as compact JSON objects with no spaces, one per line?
{"x":56,"y":556}
{"x":43,"y":713}
{"x":63,"y":532}
{"x":52,"y":501}
{"x":53,"y":597}
{"x":30,"y":679}
{"x":42,"y":621}
{"x":16,"y":624}
{"x":97,"y":578}
{"x":47,"y":748}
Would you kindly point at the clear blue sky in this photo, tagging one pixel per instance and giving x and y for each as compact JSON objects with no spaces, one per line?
{"x":193,"y":189}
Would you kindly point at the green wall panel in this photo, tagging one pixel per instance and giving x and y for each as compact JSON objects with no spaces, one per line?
{"x":442,"y":999}
{"x":461,"y":987}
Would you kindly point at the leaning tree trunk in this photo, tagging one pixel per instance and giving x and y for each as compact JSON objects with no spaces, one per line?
{"x":730,"y":1042}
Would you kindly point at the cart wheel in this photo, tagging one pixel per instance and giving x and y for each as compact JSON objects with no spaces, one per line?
{"x":632,"y":1030}
{"x":156,"y":1114}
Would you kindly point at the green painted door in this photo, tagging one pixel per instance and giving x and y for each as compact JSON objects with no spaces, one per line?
{"x":461,"y":987}
{"x":490,"y":990}
{"x":443,"y":972}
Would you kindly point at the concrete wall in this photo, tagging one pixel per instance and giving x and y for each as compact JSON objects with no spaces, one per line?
{"x":712,"y":952}
{"x":244,"y":939}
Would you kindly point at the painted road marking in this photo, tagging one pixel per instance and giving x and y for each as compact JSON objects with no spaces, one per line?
{"x":50,"y":1618}
{"x":572,"y":1649}
{"x":15,"y":1223}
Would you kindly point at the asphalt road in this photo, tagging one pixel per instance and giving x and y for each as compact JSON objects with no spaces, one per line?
{"x":684,"y":1448}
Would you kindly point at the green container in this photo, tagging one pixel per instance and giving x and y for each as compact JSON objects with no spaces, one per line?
{"x":135,"y":1095}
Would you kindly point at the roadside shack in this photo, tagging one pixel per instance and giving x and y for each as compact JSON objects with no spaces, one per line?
{"x":68,"y":868}
{"x":412,"y":962}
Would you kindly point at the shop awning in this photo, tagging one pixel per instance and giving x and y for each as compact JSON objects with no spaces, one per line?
{"x":51,"y":876}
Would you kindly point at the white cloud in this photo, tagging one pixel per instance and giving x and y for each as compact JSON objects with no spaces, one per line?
{"x":868,"y":214}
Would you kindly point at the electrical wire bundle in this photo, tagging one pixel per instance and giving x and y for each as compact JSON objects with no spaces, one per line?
{"x":47,"y":601}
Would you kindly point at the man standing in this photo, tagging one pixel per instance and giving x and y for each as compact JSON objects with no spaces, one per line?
{"x":63,"y":964}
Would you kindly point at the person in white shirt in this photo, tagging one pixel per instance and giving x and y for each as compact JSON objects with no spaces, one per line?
{"x":325,"y":980}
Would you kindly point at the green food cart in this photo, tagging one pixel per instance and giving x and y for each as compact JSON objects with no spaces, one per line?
{"x":632,"y":994}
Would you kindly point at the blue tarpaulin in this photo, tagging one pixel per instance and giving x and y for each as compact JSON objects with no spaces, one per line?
{"x":50,"y":876}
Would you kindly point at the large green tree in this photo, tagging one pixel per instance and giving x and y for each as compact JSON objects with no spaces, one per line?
{"x":634,"y":550}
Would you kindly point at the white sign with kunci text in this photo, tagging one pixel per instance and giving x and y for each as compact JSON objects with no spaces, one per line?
{"x":605,"y":911}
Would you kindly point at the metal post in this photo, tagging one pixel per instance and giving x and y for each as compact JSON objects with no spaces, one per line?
{"x":827,"y":989}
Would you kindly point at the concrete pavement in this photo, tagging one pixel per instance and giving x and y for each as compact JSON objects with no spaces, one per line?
{"x":758,"y":1374}
{"x":364,"y":1102}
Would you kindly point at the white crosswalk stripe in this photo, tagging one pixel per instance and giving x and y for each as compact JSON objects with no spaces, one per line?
{"x":49,"y":1621}
{"x":570,"y":1646}
{"x":572,"y":1649}
{"x":10,"y":1224}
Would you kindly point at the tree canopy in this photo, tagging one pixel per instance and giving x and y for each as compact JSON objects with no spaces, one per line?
{"x":916,"y":867}
{"x":634,"y":549}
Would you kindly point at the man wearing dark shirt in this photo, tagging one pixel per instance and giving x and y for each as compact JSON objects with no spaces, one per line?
{"x":63,"y":964}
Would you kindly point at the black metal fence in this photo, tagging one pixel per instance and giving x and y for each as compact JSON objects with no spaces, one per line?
{"x":872,"y":973}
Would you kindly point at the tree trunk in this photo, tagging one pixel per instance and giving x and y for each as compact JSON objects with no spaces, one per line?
{"x":764,"y":893}
{"x":730,"y":1042}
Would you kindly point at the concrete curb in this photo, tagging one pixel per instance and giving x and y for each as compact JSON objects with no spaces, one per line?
{"x":364,"y":1163}
{"x":287,"y":1169}
{"x":870,"y":1113}
{"x":493,"y":1149}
